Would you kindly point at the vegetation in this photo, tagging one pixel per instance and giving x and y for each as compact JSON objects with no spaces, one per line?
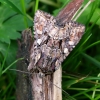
{"x":81,"y":69}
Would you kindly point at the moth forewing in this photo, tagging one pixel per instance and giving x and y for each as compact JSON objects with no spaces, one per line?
{"x":53,"y":41}
{"x":75,"y":32}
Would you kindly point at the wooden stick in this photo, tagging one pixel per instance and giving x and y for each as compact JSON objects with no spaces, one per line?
{"x":57,"y":87}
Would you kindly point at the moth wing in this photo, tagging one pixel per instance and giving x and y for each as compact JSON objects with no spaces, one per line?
{"x":75,"y":32}
{"x":40,"y":21}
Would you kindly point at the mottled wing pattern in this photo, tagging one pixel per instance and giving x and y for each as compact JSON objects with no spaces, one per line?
{"x":52,"y":42}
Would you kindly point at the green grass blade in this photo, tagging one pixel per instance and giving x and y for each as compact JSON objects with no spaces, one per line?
{"x":91,"y":45}
{"x":11,"y":65}
{"x":85,"y":91}
{"x":51,"y":3}
{"x":92,"y":60}
{"x":36,"y":6}
{"x":1,"y":69}
{"x":24,"y":11}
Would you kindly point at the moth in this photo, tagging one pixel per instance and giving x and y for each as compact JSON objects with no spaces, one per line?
{"x":53,"y":42}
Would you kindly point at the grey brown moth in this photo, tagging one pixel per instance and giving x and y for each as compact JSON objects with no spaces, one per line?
{"x":53,"y":41}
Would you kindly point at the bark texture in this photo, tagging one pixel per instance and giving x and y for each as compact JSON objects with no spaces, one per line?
{"x":23,"y":82}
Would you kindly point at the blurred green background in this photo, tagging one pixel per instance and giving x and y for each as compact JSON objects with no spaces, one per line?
{"x":81,"y":69}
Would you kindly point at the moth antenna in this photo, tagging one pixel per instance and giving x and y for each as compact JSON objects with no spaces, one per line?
{"x":20,"y":71}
